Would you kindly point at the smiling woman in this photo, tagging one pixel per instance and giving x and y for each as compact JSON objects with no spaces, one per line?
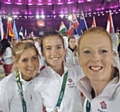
{"x":16,"y":90}
{"x":57,"y":81}
{"x":96,"y":58}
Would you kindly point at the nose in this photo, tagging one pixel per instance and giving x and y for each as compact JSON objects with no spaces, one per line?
{"x":95,"y":57}
{"x":30,"y":62}
{"x":54,"y":51}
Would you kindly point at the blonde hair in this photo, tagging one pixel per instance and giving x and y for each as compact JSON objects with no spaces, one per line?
{"x":18,"y":50}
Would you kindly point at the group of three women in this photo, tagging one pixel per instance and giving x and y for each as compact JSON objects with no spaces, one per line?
{"x":27,"y":89}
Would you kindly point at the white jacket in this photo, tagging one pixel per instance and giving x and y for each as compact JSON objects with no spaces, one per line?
{"x":107,"y":101}
{"x":48,"y":84}
{"x":10,"y":100}
{"x":70,"y":58}
{"x":7,"y":56}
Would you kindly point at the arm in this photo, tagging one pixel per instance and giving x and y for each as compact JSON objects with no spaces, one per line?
{"x":4,"y":104}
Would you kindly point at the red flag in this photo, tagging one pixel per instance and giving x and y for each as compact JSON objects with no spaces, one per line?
{"x":110,"y":26}
{"x":75,"y":21}
{"x":93,"y":22}
{"x":70,"y":30}
{"x":10,"y":31}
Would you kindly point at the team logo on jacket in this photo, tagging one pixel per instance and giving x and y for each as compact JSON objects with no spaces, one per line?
{"x":70,"y":80}
{"x":103,"y":107}
{"x":70,"y":83}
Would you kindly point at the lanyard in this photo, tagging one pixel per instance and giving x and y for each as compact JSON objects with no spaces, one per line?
{"x":62,"y":90}
{"x":88,"y":106}
{"x":21,"y":92}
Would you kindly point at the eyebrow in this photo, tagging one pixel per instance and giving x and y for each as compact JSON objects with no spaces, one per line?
{"x":55,"y":45}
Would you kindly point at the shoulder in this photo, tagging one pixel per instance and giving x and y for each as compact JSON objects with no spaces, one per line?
{"x":8,"y":48}
{"x":8,"y":81}
{"x":75,"y":70}
{"x":43,"y":79}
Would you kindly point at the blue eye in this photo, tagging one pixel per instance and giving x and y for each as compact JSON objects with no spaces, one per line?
{"x":86,"y":52}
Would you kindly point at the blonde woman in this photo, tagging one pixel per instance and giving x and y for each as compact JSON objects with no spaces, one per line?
{"x":16,"y":90}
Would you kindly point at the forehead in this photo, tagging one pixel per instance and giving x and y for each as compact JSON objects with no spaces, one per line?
{"x":72,"y":39}
{"x":95,"y":39}
{"x":52,"y":40}
{"x":28,"y":53}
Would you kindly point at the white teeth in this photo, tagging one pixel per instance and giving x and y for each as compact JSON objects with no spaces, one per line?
{"x":30,"y":69}
{"x":95,"y":68}
{"x":54,"y":59}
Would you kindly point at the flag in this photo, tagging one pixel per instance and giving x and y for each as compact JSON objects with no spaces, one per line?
{"x":93,"y":22}
{"x":70,"y":30}
{"x":21,"y":32}
{"x":15,"y":31}
{"x":10,"y":31}
{"x":1,"y":29}
{"x":74,"y":21}
{"x":82,"y":24}
{"x":62,"y":28}
{"x":110,"y":26}
{"x":25,"y":33}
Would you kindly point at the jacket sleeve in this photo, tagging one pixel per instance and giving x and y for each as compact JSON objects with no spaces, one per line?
{"x":4,"y":103}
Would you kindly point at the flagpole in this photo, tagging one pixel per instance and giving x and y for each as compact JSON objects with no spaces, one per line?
{"x":7,"y":31}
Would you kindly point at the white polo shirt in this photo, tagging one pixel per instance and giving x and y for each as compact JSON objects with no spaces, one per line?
{"x":48,"y":84}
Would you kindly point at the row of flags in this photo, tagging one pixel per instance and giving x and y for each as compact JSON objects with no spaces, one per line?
{"x":80,"y":26}
{"x":11,"y":31}
{"x":74,"y":25}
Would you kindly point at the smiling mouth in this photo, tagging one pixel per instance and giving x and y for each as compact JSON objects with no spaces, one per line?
{"x":31,"y":69}
{"x":95,"y":68}
{"x":54,"y":59}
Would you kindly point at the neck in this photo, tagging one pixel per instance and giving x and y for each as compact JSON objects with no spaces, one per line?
{"x":59,"y":70}
{"x":99,"y":86}
{"x":72,"y":49}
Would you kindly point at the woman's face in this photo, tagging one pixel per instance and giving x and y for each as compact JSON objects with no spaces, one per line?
{"x":96,"y":56}
{"x":53,"y":51}
{"x":28,"y":63}
{"x":71,"y":43}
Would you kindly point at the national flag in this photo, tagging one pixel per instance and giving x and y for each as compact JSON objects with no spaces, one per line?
{"x":110,"y":26}
{"x":1,"y":29}
{"x":62,"y":28}
{"x":10,"y":31}
{"x":25,"y":33}
{"x":15,"y":31}
{"x":82,"y":24}
{"x":21,"y":32}
{"x":93,"y":22}
{"x":74,"y":21}
{"x":70,"y":30}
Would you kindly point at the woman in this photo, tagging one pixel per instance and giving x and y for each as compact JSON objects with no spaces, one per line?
{"x":101,"y":83}
{"x":72,"y":51}
{"x":6,"y":55}
{"x":56,"y":82}
{"x":16,"y":90}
